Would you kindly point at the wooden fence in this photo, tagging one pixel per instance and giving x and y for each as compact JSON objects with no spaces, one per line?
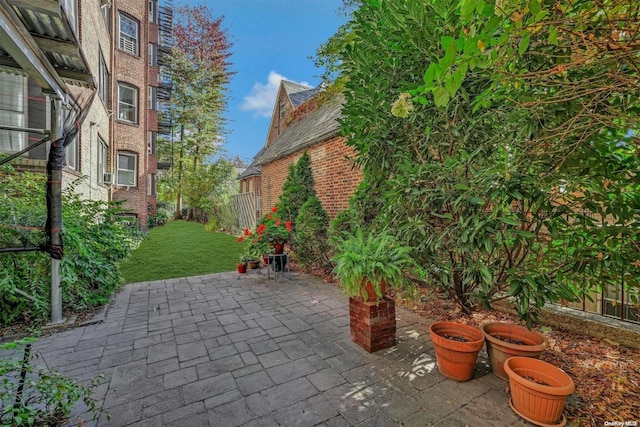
{"x":247,"y":208}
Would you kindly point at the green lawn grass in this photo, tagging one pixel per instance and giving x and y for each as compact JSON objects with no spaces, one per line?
{"x":181,"y":249}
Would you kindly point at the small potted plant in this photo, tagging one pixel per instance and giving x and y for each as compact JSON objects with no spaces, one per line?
{"x":242,"y":264}
{"x":367,"y":262}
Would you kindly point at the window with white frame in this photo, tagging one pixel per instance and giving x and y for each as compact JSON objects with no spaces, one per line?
{"x":153,"y":11}
{"x":103,"y":81}
{"x":127,"y":169}
{"x":127,"y":103}
{"x":152,"y":98}
{"x":153,"y":55}
{"x":102,"y":160}
{"x":151,"y":142}
{"x":71,"y":159}
{"x":129,"y":35}
{"x":12,"y":111}
{"x":106,"y":14}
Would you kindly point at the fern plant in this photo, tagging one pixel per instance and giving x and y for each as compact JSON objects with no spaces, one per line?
{"x":371,"y":257}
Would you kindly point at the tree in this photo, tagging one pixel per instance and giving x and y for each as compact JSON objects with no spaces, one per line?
{"x":199,"y":70}
{"x":311,"y":235}
{"x":299,"y":186}
{"x":499,"y":184}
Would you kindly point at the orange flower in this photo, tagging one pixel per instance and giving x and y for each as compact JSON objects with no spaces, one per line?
{"x":240,"y":239}
{"x":246,"y":232}
{"x":278,"y":223}
{"x":274,"y":209}
{"x":288,"y":225}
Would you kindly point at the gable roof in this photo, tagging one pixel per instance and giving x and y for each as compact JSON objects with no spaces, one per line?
{"x":253,"y":169}
{"x":317,"y":126}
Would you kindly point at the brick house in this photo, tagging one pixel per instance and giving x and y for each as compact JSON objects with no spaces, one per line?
{"x":305,"y":120}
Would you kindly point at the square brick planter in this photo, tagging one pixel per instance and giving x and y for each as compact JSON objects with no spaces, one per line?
{"x":373,"y":324}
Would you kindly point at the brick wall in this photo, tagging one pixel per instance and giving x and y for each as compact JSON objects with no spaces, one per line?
{"x":336,"y":177}
{"x":132,"y":137}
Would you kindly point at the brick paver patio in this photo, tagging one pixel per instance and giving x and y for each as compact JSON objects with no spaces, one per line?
{"x":241,"y":350}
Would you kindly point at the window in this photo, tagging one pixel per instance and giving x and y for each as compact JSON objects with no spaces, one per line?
{"x":150,"y":184}
{"x":102,"y":160}
{"x":12,"y":111}
{"x":127,"y":103}
{"x":152,"y":98}
{"x":103,"y":81}
{"x":153,"y":55}
{"x":153,"y":11}
{"x":151,"y":142}
{"x":620,"y":302}
{"x":71,"y":155}
{"x":106,"y":14}
{"x":127,"y":169}
{"x":128,"y":40}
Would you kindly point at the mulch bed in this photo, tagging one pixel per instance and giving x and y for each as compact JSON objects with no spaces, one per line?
{"x":606,"y":374}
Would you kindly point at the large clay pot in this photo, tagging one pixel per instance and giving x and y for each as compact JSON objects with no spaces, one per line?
{"x":539,"y":390}
{"x":505,"y":340}
{"x":457,"y":346}
{"x":278,"y":248}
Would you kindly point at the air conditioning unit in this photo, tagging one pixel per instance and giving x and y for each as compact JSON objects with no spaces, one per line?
{"x":107,"y":178}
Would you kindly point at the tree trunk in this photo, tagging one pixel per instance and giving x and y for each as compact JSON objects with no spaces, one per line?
{"x":178,"y":214}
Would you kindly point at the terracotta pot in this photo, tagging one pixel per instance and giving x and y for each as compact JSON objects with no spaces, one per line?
{"x":497,"y":336}
{"x":242,"y":268}
{"x":371,"y":292}
{"x":265,"y":260}
{"x":539,"y":390}
{"x":278,"y":248}
{"x":253,"y":264}
{"x":456,"y":356}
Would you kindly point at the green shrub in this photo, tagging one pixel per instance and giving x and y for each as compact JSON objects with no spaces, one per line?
{"x":94,"y":239}
{"x":311,"y":235}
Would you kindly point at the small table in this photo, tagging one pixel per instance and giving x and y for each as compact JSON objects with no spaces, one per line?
{"x":272,"y":260}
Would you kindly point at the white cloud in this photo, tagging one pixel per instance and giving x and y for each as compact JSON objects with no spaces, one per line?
{"x":262,"y":96}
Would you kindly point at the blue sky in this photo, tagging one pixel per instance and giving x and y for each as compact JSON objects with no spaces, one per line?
{"x":272,"y":40}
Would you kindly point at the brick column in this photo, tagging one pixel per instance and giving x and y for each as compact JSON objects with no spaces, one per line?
{"x":373,"y":324}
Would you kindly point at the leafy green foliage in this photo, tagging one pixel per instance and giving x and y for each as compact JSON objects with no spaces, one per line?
{"x":511,"y":169}
{"x":311,"y":235}
{"x":36,"y":396}
{"x":297,"y":189}
{"x":200,"y":72}
{"x":94,"y":242}
{"x":371,"y":257}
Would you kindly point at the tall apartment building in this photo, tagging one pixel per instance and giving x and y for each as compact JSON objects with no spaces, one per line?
{"x":57,"y":49}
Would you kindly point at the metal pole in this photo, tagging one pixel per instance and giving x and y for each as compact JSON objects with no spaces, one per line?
{"x":56,"y":225}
